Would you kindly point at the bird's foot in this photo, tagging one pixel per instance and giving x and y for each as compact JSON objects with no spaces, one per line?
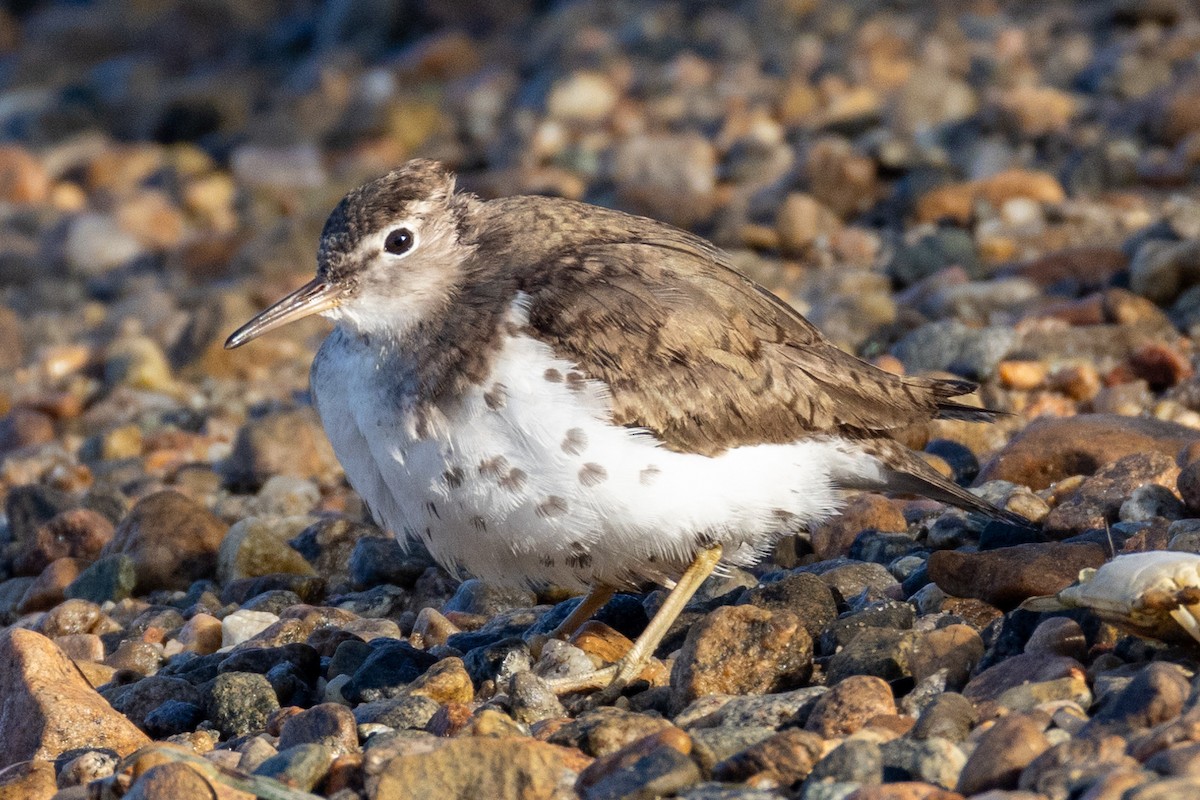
{"x":587,"y":682}
{"x":607,"y":682}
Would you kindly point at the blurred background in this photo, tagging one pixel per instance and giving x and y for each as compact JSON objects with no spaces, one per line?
{"x":951,"y":186}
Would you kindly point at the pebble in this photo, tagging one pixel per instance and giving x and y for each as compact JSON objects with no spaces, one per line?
{"x":785,"y":758}
{"x":239,"y":702}
{"x":801,"y":593}
{"x":110,"y":578}
{"x":282,"y":443}
{"x":301,"y":766}
{"x":862,"y":512}
{"x":742,"y":650}
{"x":668,"y":177}
{"x":258,"y":546}
{"x":880,"y":652}
{"x":48,"y":588}
{"x":932,"y":760}
{"x":328,"y":724}
{"x":96,"y":244}
{"x":1008,"y":575}
{"x":857,"y":761}
{"x":653,"y":766}
{"x":1001,"y":753}
{"x":78,"y":533}
{"x":604,"y":731}
{"x":1050,"y":449}
{"x":1013,"y":672}
{"x":482,"y":767}
{"x":849,"y":705}
{"x":171,"y":540}
{"x":957,"y":201}
{"x":242,"y":626}
{"x":948,"y":716}
{"x":47,"y":708}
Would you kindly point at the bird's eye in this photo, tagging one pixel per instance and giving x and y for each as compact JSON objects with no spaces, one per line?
{"x":399,"y":241}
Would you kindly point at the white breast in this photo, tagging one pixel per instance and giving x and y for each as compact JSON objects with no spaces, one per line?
{"x":526,"y":479}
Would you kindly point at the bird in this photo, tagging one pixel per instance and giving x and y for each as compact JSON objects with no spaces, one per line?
{"x":547,"y":393}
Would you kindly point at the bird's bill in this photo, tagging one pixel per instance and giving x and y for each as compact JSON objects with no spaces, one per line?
{"x":311,"y":298}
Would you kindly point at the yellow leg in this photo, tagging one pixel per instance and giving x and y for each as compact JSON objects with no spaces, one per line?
{"x":615,"y":678}
{"x":592,"y":602}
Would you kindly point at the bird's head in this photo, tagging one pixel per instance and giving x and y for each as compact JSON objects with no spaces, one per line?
{"x":390,"y":256}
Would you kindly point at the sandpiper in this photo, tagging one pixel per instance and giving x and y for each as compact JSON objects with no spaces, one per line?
{"x":545,"y":392}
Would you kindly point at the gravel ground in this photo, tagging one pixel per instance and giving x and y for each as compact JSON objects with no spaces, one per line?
{"x":195,"y":603}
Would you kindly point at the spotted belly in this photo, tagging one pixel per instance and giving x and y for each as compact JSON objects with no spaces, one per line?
{"x":524,"y":479}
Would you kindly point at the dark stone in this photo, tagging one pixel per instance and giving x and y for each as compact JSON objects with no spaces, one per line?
{"x":881,"y":652}
{"x":239,"y":703}
{"x":193,"y":668}
{"x":1155,"y":695}
{"x":891,"y":614}
{"x":964,"y":465}
{"x":108,"y":578}
{"x":476,"y":597}
{"x":379,"y":561}
{"x":881,"y":548}
{"x":377,"y":602}
{"x":997,"y":534}
{"x":172,"y":717}
{"x":497,"y":661}
{"x":29,"y":507}
{"x":624,"y":613}
{"x":402,"y":713}
{"x":348,"y":657}
{"x":300,"y":767}
{"x":387,"y":671}
{"x":853,"y":761}
{"x":802,"y":593}
{"x":261,"y":660}
{"x":141,"y":699}
{"x":949,"y":715}
{"x":933,"y":253}
{"x":327,"y":724}
{"x":309,"y":588}
{"x":272,"y":602}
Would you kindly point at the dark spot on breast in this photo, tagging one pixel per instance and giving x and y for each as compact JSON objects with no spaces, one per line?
{"x":511,"y":328}
{"x":705,"y":540}
{"x":592,"y":474}
{"x":579,"y":557}
{"x":428,"y":534}
{"x":493,"y":467}
{"x":423,"y":428}
{"x":546,"y":561}
{"x":479,"y":523}
{"x":782,"y":514}
{"x":575,"y":442}
{"x":552,"y":506}
{"x":514,"y":481}
{"x":453,"y":477}
{"x":575,"y":381}
{"x":432,"y":509}
{"x":649,"y":475}
{"x":552,"y":375}
{"x":496,"y":397}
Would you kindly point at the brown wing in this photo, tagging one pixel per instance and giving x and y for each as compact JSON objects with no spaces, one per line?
{"x":707,"y":359}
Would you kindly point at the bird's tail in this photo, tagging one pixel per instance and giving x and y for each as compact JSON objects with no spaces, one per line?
{"x":903,"y":471}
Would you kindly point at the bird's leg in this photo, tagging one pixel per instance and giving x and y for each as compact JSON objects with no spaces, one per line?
{"x":613,"y":679}
{"x":592,"y":602}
